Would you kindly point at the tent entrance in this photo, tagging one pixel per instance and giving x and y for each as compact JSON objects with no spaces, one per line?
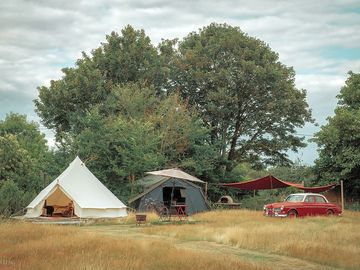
{"x":174,"y":195}
{"x":58,"y":204}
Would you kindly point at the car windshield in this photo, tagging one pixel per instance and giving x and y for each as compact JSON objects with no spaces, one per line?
{"x":294,"y":198}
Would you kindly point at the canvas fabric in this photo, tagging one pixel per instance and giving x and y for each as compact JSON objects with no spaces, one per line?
{"x":90,"y":197}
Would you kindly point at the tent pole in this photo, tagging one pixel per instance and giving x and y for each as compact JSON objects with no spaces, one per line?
{"x":206,"y":188}
{"x":172,"y":193}
{"x":342,"y":195}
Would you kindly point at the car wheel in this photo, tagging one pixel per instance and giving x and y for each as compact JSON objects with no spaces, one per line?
{"x":292,"y":214}
{"x":329,"y":212}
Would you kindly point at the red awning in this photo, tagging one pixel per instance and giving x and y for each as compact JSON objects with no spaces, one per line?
{"x":266,"y":182}
{"x":271,"y":182}
{"x":318,"y":189}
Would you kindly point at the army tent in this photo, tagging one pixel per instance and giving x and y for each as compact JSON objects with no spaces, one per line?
{"x":168,"y":186}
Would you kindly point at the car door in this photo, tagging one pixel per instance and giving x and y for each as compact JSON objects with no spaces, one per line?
{"x":309,"y":206}
{"x":321,"y":205}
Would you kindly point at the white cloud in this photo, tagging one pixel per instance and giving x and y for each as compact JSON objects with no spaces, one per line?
{"x":320,"y":83}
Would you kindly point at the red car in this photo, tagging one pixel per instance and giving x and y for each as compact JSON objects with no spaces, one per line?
{"x":302,"y":204}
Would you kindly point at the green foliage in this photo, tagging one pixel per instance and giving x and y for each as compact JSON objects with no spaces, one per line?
{"x":246,"y":97}
{"x":207,"y":103}
{"x":126,"y":58}
{"x":264,"y":197}
{"x":354,"y":206}
{"x":339,"y":140}
{"x":27,"y":133}
{"x":244,"y":172}
{"x":10,"y":198}
{"x":137,"y":131}
{"x":24,"y":152}
{"x":24,"y":160}
{"x":297,"y":173}
{"x":15,"y":161}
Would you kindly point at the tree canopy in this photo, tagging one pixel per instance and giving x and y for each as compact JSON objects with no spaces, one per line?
{"x":339,"y":139}
{"x":245,"y":95}
{"x":122,"y":59}
{"x":25,"y":159}
{"x":205,"y":103}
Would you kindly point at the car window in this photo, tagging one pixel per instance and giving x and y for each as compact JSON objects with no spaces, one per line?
{"x":320,"y":199}
{"x":310,"y":199}
{"x":295,"y":198}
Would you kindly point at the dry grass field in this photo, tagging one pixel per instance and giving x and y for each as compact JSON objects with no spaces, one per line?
{"x":234,"y":239}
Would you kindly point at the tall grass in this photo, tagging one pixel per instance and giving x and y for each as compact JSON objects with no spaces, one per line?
{"x":333,"y":241}
{"x":33,"y":246}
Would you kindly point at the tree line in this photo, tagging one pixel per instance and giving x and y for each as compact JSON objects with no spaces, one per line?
{"x":218,"y":104}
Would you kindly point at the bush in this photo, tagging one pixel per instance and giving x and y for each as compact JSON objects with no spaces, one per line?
{"x":263,"y":197}
{"x":11,"y":198}
{"x":355,"y":206}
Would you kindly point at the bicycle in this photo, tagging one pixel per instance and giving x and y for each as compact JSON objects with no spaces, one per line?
{"x":158,"y":207}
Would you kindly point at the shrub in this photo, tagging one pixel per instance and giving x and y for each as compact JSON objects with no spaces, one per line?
{"x":11,"y":198}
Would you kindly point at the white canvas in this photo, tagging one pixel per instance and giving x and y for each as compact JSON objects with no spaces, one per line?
{"x":90,"y":197}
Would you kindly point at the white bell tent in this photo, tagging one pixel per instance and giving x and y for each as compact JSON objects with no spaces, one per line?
{"x":90,"y":198}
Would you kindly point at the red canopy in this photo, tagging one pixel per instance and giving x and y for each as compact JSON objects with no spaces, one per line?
{"x":318,"y":189}
{"x":271,"y":182}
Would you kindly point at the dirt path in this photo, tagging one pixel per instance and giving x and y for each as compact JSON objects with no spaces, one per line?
{"x":271,"y":261}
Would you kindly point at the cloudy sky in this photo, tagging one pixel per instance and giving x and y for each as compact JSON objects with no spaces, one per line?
{"x":320,"y":39}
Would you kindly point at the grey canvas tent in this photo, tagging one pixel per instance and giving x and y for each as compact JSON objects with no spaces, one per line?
{"x":169,"y":186}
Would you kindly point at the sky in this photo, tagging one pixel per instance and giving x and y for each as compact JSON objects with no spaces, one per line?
{"x":319,"y":39}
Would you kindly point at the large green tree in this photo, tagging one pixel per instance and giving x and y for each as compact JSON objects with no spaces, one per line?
{"x":339,"y":140}
{"x":126,"y":58}
{"x":206,"y":103}
{"x":111,"y":110}
{"x":24,"y":149}
{"x":245,"y":95}
{"x":25,"y":159}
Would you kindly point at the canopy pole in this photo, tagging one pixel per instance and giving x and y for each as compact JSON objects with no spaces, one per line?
{"x":342,"y":195}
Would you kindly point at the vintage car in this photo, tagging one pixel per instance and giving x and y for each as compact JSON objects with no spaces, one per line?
{"x":302,"y":204}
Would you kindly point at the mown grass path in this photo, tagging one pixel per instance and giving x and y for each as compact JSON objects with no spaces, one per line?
{"x":267,"y":260}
